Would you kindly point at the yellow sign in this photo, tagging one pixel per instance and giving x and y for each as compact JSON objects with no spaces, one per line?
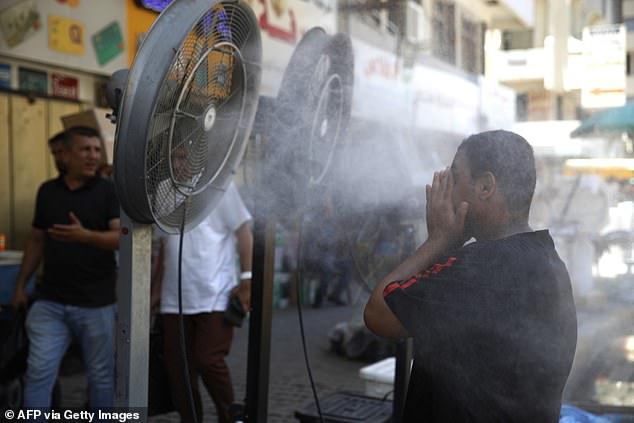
{"x":66,"y":35}
{"x":616,"y":168}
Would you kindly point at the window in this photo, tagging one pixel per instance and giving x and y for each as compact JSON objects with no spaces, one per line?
{"x":444,"y":31}
{"x":521,"y":107}
{"x":517,"y":40}
{"x":471,"y":40}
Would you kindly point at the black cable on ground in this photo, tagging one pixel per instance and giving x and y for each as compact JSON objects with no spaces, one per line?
{"x":301,"y":320}
{"x":181,"y":324}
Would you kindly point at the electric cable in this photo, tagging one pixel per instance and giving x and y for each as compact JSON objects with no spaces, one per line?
{"x":362,"y":280}
{"x":300,"y":265}
{"x":181,"y":323}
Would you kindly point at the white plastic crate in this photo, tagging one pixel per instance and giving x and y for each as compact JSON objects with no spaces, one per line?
{"x":379,"y":378}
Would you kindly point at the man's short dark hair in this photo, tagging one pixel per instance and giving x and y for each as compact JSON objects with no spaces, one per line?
{"x":81,"y":131}
{"x":59,"y":137}
{"x":510,"y":158}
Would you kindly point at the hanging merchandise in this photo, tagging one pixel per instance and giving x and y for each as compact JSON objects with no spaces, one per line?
{"x":108,"y":43}
{"x":66,"y":35}
{"x":19,"y":22}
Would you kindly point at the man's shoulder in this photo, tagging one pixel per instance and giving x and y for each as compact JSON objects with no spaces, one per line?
{"x":50,"y":190}
{"x":102,"y":187}
{"x":50,"y":184}
{"x":524,"y":255}
{"x":101,"y":182}
{"x":511,"y":245}
{"x":499,"y":256}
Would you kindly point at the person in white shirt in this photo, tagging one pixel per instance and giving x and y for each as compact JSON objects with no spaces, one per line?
{"x":209,"y":280}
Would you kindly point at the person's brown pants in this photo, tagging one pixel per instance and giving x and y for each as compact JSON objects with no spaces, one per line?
{"x":208,"y":340}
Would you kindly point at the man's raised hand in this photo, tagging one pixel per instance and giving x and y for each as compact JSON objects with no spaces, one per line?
{"x":445,"y":224}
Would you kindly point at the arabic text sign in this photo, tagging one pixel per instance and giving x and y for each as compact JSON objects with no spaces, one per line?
{"x":32,"y":80}
{"x":65,"y":86}
{"x":603,"y":84}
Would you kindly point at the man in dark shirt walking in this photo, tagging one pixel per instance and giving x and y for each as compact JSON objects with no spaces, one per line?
{"x":75,"y":231}
{"x":493,"y":321}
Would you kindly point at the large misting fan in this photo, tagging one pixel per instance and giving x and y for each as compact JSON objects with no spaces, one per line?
{"x":301,"y":129}
{"x":187,"y":111}
{"x":183,"y":120}
{"x":305,"y":124}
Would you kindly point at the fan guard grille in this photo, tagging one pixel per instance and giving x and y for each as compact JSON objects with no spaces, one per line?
{"x":193,"y":131}
{"x":306,"y":129}
{"x":200,"y":118}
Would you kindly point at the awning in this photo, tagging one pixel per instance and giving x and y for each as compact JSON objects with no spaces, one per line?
{"x":618,"y":119}
{"x":617,"y":168}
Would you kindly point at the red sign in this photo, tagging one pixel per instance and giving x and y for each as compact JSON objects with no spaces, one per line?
{"x":65,"y":86}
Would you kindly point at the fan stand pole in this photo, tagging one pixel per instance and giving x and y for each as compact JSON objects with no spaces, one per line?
{"x":404,"y":355}
{"x":259,"y":356}
{"x":133,"y":321}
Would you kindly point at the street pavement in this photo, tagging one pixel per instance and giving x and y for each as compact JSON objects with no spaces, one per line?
{"x":289,"y":386}
{"x":603,"y":318}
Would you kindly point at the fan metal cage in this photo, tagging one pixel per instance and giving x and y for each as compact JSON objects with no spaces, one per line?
{"x":187,"y":112}
{"x":312,"y":111}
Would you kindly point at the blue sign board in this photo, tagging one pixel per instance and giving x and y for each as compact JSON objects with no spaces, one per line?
{"x":5,"y":75}
{"x":155,"y":5}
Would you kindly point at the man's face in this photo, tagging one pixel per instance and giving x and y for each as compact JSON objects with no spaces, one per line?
{"x":57,"y":150}
{"x":84,"y":157}
{"x":463,"y":189}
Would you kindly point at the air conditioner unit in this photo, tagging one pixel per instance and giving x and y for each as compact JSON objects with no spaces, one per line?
{"x":417,"y":26}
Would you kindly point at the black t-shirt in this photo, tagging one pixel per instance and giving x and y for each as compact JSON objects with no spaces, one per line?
{"x":495,"y":330}
{"x":75,"y":273}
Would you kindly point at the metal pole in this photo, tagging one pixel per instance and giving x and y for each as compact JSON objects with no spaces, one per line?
{"x":613,"y":11}
{"x":259,"y":358}
{"x":404,"y":355}
{"x":133,"y":315}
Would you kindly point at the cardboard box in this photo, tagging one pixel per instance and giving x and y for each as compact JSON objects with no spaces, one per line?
{"x":94,"y":118}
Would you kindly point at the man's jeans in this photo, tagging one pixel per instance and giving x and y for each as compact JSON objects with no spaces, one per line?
{"x":50,"y":327}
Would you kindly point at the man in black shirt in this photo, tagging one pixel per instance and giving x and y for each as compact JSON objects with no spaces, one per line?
{"x":493,"y":321}
{"x":75,"y":231}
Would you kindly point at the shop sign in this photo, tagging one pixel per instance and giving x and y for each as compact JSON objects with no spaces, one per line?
{"x":5,"y":75}
{"x":286,"y":21}
{"x":603,"y":83}
{"x":32,"y":80}
{"x":108,"y":43}
{"x":65,"y":86}
{"x":282,"y":25}
{"x":154,"y":5}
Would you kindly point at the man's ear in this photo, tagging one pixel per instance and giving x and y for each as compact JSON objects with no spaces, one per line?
{"x":486,"y":186}
{"x":66,"y":153}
